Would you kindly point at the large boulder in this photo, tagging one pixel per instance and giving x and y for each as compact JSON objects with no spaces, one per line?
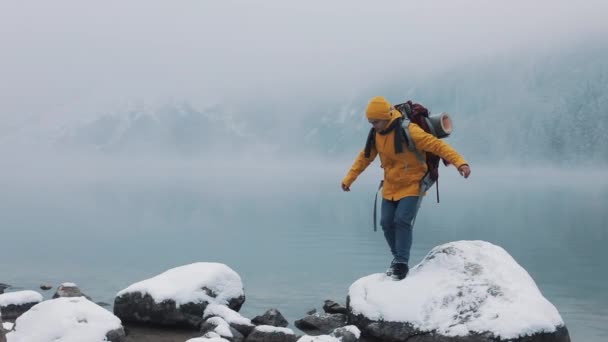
{"x":461,"y":291}
{"x":179,"y":296}
{"x":67,"y":319}
{"x":14,"y":304}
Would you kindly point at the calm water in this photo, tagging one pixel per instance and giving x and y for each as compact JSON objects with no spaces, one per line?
{"x":297,"y":240}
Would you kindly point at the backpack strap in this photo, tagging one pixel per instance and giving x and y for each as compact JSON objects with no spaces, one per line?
{"x":411,"y":144}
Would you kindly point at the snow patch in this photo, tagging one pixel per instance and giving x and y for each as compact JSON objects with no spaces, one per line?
{"x":272,"y":329}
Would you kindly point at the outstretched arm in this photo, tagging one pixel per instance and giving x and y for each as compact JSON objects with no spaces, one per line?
{"x":427,"y":142}
{"x":360,"y":164}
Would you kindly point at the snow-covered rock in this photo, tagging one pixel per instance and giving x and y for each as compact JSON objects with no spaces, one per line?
{"x":271,"y":317}
{"x":73,"y":319}
{"x":220,"y":327}
{"x":179,"y":296}
{"x":461,"y":289}
{"x":349,"y":333}
{"x":269,"y":333}
{"x":14,"y":304}
{"x":233,"y":318}
{"x":321,"y":323}
{"x":69,"y":290}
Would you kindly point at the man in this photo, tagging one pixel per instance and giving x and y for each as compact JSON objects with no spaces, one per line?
{"x":402,"y":175}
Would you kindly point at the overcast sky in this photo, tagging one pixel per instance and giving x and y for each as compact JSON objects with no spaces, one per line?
{"x":62,"y":54}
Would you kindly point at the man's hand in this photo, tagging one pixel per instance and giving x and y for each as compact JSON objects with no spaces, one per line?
{"x":345,"y":187}
{"x":464,"y":170}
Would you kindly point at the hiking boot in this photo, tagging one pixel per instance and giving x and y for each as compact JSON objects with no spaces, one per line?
{"x":399,"y":270}
{"x":389,"y":271}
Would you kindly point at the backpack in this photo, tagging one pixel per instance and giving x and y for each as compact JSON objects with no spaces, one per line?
{"x":439,"y":126}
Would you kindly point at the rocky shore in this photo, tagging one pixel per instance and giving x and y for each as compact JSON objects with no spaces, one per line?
{"x":461,"y":291}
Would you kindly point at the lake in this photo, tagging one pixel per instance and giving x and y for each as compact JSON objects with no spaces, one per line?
{"x":294,"y":237}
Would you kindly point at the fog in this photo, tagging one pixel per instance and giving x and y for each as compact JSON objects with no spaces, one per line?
{"x":118,"y":85}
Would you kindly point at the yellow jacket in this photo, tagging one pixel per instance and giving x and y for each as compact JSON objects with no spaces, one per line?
{"x":402,"y":171}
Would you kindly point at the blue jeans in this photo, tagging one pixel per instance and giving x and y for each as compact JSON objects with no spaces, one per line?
{"x":397,"y":223}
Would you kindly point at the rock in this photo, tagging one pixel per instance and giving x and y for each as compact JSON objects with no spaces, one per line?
{"x":461,"y":291}
{"x":67,"y":319}
{"x":348,"y":333}
{"x":271,"y":317}
{"x":242,"y":324}
{"x":14,"y":304}
{"x":311,"y":311}
{"x":269,"y":333}
{"x":102,"y":304}
{"x":179,"y":296}
{"x":3,"y":287}
{"x":333,"y":308}
{"x":68,"y":290}
{"x":46,"y":287}
{"x":220,"y":327}
{"x":2,"y":335}
{"x":321,"y":323}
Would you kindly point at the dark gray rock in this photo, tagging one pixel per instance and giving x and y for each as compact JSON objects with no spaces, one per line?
{"x":117,"y":335}
{"x":311,"y":312}
{"x":244,"y":329}
{"x":137,"y":308}
{"x":271,"y":317}
{"x":3,"y":287}
{"x":69,"y":290}
{"x":321,"y":324}
{"x":13,"y":311}
{"x":332,"y":307}
{"x":344,"y":335}
{"x":261,"y":335}
{"x":46,"y":287}
{"x":216,"y":323}
{"x":2,"y":335}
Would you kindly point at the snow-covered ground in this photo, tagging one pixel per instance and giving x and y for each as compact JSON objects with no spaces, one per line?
{"x":460,"y":287}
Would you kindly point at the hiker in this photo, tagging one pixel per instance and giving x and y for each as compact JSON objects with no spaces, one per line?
{"x":403,"y":172}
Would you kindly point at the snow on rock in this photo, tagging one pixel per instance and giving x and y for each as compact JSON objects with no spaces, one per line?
{"x":203,"y":339}
{"x":226,"y":313}
{"x":73,"y":319}
{"x":14,"y":304}
{"x":349,"y":333}
{"x":179,"y":296}
{"x":264,"y":333}
{"x":242,"y":324}
{"x":459,"y":289}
